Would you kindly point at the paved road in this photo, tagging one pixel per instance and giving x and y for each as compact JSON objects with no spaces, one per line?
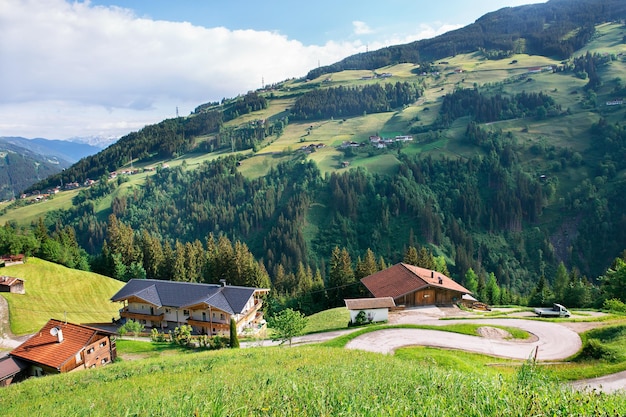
{"x":608,"y":383}
{"x":555,"y":342}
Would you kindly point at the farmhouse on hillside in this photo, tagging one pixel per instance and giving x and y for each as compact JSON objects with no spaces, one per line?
{"x":413,"y":286}
{"x":11,"y":284}
{"x":57,"y":348}
{"x":9,"y":260}
{"x":207,"y":308}
{"x":372,"y":310}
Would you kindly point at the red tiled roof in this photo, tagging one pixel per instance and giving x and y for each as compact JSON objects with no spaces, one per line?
{"x":402,"y":279}
{"x":367,"y":303}
{"x":44,"y":348}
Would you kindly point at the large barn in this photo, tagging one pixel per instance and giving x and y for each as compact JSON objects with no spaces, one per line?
{"x":413,"y":286}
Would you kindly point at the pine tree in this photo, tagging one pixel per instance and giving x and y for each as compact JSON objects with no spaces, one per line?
{"x":410,"y":256}
{"x":367,"y":266}
{"x":340,"y":276}
{"x":492,"y":289}
{"x":561,"y":282}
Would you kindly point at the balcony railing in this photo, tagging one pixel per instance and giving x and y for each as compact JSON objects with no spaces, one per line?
{"x":140,"y":316}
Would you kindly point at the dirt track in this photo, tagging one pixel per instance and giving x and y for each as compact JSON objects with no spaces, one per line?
{"x":554,"y":341}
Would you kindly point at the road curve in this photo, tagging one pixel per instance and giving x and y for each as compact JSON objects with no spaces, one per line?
{"x":554,"y":342}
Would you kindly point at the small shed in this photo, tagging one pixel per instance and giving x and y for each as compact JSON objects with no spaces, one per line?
{"x":12,"y":285}
{"x":374,"y":309}
{"x":10,"y":370}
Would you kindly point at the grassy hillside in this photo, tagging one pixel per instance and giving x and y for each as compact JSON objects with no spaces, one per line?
{"x":303,"y":381}
{"x":54,"y":291}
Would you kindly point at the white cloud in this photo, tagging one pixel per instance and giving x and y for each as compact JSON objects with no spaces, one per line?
{"x":361,"y":28}
{"x":74,"y":69}
{"x":64,"y":62}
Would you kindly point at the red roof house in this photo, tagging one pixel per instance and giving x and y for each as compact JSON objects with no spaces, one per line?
{"x":411,"y":286}
{"x":64,"y":347}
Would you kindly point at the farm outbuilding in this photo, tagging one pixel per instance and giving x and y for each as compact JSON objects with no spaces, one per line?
{"x":412,"y":286}
{"x":372,"y":309}
{"x":12,"y":285}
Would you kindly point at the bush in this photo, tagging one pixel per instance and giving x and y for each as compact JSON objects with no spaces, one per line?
{"x":614,"y":305}
{"x":182,"y":335}
{"x":132,"y":327}
{"x":157,"y":336}
{"x":595,"y":349}
{"x":218,"y":342}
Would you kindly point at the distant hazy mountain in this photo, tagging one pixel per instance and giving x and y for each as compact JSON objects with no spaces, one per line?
{"x":100,"y":142}
{"x":70,"y":151}
{"x":24,"y":162}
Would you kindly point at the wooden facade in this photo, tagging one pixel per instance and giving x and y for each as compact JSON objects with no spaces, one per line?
{"x":412,"y":286}
{"x":61,"y":347}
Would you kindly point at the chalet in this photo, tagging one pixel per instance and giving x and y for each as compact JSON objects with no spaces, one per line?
{"x":12,"y":285}
{"x":413,"y":286}
{"x":374,"y":309}
{"x":61,"y":347}
{"x":207,"y":308}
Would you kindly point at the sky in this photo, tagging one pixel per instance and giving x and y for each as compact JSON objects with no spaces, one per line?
{"x":109,"y":67}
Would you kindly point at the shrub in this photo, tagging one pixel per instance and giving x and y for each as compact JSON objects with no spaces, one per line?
{"x":595,"y":349}
{"x":133,"y":327}
{"x":218,"y":342}
{"x":614,"y":305}
{"x":182,"y":335}
{"x":157,"y":336}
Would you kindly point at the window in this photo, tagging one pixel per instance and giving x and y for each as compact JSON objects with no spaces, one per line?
{"x":104,"y":360}
{"x":185,"y":312}
{"x":221,"y":316}
{"x":168,"y":311}
{"x":78,"y":358}
{"x":103,"y":343}
{"x":90,"y":350}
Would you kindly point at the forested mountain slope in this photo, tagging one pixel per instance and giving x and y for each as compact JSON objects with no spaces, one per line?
{"x":505,"y":164}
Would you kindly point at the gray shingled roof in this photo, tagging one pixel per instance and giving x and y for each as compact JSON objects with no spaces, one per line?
{"x":231,"y":299}
{"x":10,"y":366}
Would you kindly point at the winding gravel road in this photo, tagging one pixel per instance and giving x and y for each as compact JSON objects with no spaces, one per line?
{"x":555,"y":342}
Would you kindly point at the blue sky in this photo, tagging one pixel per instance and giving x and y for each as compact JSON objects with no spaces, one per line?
{"x":106,"y":68}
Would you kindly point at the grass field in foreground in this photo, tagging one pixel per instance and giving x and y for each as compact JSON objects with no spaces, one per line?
{"x":301,"y":381}
{"x":54,"y":291}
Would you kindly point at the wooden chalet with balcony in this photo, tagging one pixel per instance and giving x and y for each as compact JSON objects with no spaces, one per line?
{"x":412,"y":286}
{"x":207,"y":308}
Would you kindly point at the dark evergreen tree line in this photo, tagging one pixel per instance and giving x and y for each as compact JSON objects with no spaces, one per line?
{"x":353,"y":101}
{"x":483,"y":108}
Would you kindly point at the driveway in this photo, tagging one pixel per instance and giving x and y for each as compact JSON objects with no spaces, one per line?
{"x":553,"y":341}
